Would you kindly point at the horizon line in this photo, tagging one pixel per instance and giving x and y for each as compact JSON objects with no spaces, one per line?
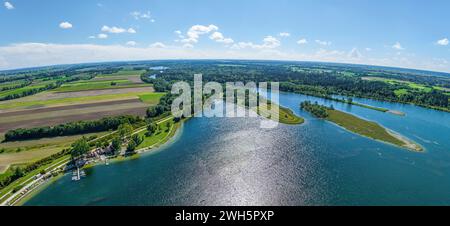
{"x":218,"y":59}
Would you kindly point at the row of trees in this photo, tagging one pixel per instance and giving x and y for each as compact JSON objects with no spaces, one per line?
{"x":433,"y":98}
{"x":21,"y":85}
{"x":160,"y":85}
{"x":72,"y":128}
{"x":315,"y":109}
{"x":19,"y":171}
{"x":164,"y":106}
{"x":123,"y":136}
{"x":29,"y":92}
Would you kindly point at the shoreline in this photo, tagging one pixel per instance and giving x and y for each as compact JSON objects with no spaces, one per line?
{"x":409,"y":144}
{"x":169,"y":140}
{"x":394,"y":112}
{"x":177,"y":131}
{"x":37,"y":190}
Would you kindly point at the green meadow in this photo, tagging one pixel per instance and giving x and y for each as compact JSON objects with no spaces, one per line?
{"x":98,"y":85}
{"x":159,"y":135}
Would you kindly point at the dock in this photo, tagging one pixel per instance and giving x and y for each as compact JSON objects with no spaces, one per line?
{"x":78,"y":174}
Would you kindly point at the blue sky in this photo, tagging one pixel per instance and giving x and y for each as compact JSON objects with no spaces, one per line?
{"x":404,"y":33}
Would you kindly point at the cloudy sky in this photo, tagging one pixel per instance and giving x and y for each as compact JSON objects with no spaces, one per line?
{"x":403,"y":33}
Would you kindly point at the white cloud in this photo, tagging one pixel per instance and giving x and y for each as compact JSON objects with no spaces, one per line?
{"x":354,"y":53}
{"x":368,"y":49}
{"x":328,"y":55}
{"x":117,"y":30}
{"x":158,"y":45}
{"x":65,"y":25}
{"x":39,"y":54}
{"x":269,"y":42}
{"x":8,"y":5}
{"x":442,"y":42}
{"x":195,"y":31}
{"x":112,"y":29}
{"x":284,"y":34}
{"x":179,"y":34}
{"x":102,"y":36}
{"x":323,"y":43}
{"x":302,"y":41}
{"x":397,"y":46}
{"x":141,"y":15}
{"x":92,"y":37}
{"x":218,"y":37}
{"x":131,"y":43}
{"x":188,"y":46}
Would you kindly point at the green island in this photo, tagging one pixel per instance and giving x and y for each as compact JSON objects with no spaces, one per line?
{"x":81,"y":116}
{"x":359,"y":126}
{"x":263,"y":108}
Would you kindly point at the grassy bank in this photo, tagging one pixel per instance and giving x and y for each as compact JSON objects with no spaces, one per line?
{"x":162,"y":131}
{"x":6,"y":191}
{"x":285,"y":115}
{"x":369,"y":129}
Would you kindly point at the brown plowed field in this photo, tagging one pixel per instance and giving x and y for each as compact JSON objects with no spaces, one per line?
{"x":4,"y":127}
{"x":68,"y":107}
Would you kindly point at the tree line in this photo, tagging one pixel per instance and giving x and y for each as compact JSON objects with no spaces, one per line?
{"x":30,"y":92}
{"x":315,"y":109}
{"x":21,"y":85}
{"x":163,"y":107}
{"x":20,"y":171}
{"x":71,"y":128}
{"x":322,"y":81}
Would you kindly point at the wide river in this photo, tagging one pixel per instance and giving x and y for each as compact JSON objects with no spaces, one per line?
{"x":231,"y":161}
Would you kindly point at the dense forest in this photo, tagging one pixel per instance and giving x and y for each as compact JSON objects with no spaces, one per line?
{"x":20,"y":85}
{"x":317,"y":79}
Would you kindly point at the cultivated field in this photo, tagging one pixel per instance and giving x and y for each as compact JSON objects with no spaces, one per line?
{"x":20,"y":152}
{"x":120,"y":93}
{"x":70,"y":113}
{"x":409,"y":85}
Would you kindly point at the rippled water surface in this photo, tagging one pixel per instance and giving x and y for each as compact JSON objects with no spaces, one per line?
{"x":231,"y":161}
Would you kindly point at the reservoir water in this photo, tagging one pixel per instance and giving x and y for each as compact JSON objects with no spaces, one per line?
{"x":231,"y":161}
